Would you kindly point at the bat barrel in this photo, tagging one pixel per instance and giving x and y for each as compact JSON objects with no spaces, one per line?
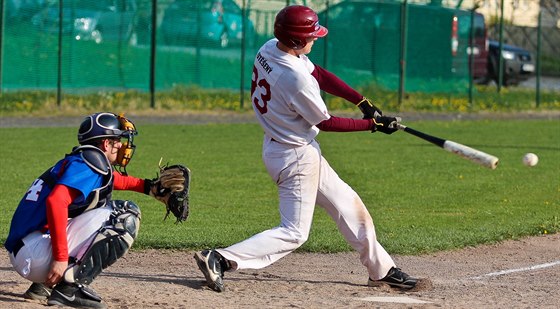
{"x":472,"y":154}
{"x":466,"y":152}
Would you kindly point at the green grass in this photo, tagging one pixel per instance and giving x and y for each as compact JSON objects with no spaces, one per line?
{"x":422,"y":199}
{"x":194,"y":98}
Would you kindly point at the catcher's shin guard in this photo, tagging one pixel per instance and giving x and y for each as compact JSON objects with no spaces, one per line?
{"x":111,"y":242}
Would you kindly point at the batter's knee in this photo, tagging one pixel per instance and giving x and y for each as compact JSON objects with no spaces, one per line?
{"x":297,"y":237}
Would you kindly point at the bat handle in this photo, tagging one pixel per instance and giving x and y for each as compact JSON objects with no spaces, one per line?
{"x":400,"y":126}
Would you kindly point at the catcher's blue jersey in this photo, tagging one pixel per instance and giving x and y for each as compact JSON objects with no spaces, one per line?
{"x":31,"y":213}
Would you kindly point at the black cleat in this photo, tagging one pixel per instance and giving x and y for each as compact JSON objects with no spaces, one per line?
{"x":74,"y":295}
{"x":396,"y":279}
{"x":212,"y":265}
{"x":37,"y":291}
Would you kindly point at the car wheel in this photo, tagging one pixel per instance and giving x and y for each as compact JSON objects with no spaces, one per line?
{"x":96,"y":36}
{"x":224,"y":39}
{"x":507,"y":79}
{"x":133,"y":39}
{"x":484,"y":81}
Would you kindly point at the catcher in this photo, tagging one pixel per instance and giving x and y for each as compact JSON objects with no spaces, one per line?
{"x":67,"y":229}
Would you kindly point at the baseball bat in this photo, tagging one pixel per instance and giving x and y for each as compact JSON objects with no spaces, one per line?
{"x":466,"y":152}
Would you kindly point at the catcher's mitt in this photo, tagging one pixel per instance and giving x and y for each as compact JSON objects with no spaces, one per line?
{"x":171,"y":187}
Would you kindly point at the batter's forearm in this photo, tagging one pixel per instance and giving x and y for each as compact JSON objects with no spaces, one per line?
{"x":339,"y":124}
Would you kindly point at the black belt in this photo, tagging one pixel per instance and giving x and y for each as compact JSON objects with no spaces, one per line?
{"x":17,"y":247}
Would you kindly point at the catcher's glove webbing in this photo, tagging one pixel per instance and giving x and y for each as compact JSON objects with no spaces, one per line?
{"x":171,"y":187}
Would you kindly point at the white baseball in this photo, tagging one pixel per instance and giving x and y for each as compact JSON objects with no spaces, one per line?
{"x":530,"y":159}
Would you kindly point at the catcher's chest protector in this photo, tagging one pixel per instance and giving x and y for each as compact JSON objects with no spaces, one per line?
{"x":99,"y":197}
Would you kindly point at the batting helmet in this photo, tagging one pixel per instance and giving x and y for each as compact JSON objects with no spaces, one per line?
{"x":295,"y":24}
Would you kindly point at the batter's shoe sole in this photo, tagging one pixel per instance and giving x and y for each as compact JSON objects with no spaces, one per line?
{"x":396,"y":279}
{"x":208,"y":262}
{"x":37,"y":291}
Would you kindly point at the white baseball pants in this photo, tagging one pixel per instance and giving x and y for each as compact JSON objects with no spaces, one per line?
{"x":33,"y":261}
{"x":304,"y":179}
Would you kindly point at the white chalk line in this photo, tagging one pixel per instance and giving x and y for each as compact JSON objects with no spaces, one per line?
{"x":395,"y":299}
{"x":410,"y":300}
{"x":516,"y":270}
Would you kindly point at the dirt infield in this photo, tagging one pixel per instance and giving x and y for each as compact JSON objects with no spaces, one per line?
{"x":514,"y":274}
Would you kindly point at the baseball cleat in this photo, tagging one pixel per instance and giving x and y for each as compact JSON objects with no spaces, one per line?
{"x":37,"y":291}
{"x":210,"y":263}
{"x":74,"y":295}
{"x":396,"y":279}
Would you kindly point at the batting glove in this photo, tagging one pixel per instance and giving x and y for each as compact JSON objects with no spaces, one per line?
{"x":369,"y":110}
{"x":385,"y":124}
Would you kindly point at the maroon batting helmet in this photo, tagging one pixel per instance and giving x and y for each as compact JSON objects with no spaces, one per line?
{"x":295,"y":24}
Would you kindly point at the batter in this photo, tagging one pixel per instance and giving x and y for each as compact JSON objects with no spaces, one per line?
{"x":286,"y":96}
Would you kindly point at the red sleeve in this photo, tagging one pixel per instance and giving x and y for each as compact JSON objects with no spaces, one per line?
{"x":57,"y":218}
{"x":338,"y":124}
{"x":335,"y":86}
{"x":130,"y":183}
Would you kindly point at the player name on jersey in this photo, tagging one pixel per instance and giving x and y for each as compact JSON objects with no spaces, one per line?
{"x":263,"y":63}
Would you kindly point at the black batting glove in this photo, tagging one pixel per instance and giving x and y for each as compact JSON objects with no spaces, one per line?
{"x":385,"y":124}
{"x":369,"y":110}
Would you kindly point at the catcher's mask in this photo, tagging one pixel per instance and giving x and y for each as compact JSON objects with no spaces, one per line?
{"x":100,"y":126}
{"x":295,"y":24}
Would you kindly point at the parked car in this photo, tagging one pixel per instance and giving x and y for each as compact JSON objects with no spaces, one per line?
{"x":205,"y":22}
{"x":477,"y":50}
{"x":21,"y":10}
{"x":518,"y":63}
{"x":97,"y":21}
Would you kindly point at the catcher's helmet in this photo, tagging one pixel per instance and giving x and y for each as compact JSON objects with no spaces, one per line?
{"x":108,"y":125}
{"x":295,"y":24}
{"x":99,"y":126}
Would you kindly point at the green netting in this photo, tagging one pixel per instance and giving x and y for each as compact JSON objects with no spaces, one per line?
{"x":366,"y":39}
{"x":86,"y":45}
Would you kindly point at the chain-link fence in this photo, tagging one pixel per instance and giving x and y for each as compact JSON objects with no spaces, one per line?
{"x":87,"y":45}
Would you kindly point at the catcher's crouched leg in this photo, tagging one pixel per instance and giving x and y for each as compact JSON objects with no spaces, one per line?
{"x":111,"y":242}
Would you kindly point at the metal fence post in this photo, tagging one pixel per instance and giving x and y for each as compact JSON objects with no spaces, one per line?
{"x":243,"y":40}
{"x":471,"y":57}
{"x":59,"y":56}
{"x":153,"y":55}
{"x":501,"y":48}
{"x":538,"y":71}
{"x":326,"y":38}
{"x":1,"y":40}
{"x":402,"y":67}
